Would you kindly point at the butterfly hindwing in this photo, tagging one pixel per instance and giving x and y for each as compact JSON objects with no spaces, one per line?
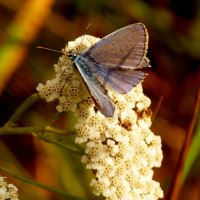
{"x":122,"y":80}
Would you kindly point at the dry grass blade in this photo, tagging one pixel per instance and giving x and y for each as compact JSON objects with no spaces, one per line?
{"x":21,"y":33}
{"x":175,"y":187}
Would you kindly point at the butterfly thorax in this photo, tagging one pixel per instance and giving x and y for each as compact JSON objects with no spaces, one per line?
{"x":82,"y":64}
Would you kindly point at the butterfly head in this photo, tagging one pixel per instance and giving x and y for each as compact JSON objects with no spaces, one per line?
{"x":70,"y":54}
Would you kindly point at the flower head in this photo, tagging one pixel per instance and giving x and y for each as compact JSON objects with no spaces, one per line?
{"x":8,"y":191}
{"x":121,"y":150}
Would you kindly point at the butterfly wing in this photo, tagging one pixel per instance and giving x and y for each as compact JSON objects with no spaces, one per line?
{"x":115,"y":57}
{"x":97,"y":90}
{"x":111,"y":61}
{"x":121,"y":80}
{"x":126,"y":47}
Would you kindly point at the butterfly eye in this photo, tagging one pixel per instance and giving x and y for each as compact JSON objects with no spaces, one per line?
{"x":72,"y":55}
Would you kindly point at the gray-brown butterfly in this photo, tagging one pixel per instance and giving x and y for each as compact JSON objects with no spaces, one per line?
{"x":114,"y":61}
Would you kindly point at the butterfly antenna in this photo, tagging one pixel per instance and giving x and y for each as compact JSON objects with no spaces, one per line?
{"x":84,"y":35}
{"x":39,"y":47}
{"x":88,"y":26}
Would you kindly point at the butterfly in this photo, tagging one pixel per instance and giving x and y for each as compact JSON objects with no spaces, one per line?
{"x":113,"y":61}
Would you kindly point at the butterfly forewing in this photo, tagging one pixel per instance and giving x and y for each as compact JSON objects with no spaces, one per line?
{"x":125,"y":47}
{"x":97,"y":90}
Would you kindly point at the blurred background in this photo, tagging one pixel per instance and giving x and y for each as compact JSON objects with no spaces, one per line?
{"x":174,"y":79}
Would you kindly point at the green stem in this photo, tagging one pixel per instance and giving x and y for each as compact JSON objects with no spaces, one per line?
{"x":22,"y":108}
{"x":10,"y":127}
{"x":5,"y":130}
{"x":54,"y":130}
{"x":73,"y":148}
{"x":40,"y":133}
{"x":52,"y":119}
{"x":18,"y":130}
{"x":43,"y":186}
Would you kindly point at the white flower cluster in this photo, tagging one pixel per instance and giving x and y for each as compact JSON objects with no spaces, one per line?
{"x":121,"y":150}
{"x":7,"y":191}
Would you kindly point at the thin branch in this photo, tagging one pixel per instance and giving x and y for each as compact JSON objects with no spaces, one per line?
{"x":40,"y":185}
{"x":53,"y":118}
{"x":22,"y":108}
{"x":27,"y":130}
{"x":58,"y":142}
{"x":41,"y":133}
{"x":5,"y":130}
